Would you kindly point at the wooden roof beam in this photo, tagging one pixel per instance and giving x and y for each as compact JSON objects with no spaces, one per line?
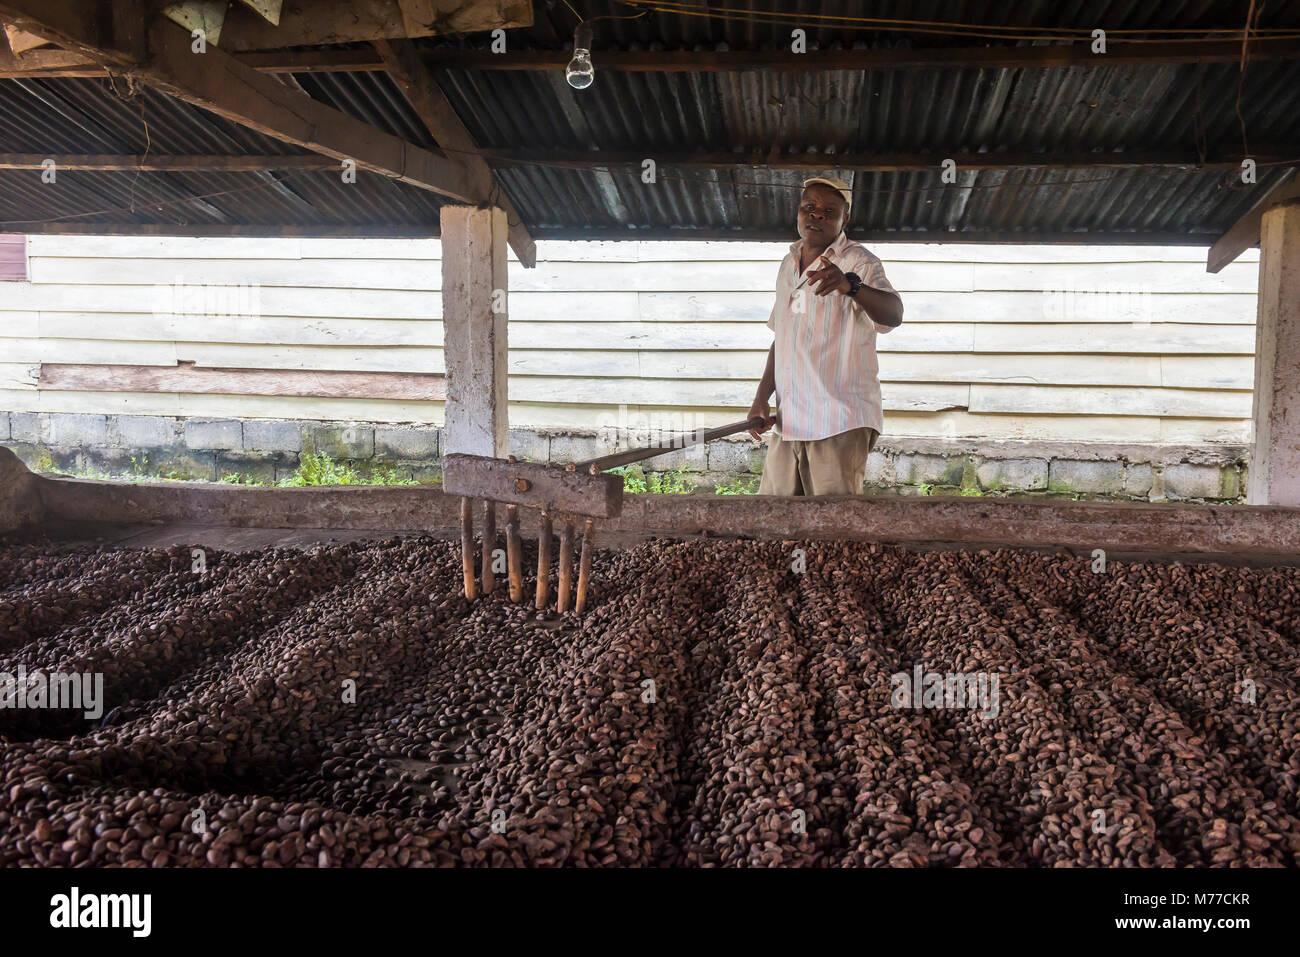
{"x":881,"y":162}
{"x":106,"y":34}
{"x":159,"y":163}
{"x":161,"y":56}
{"x":1245,"y":232}
{"x":783,"y":234}
{"x":19,"y":42}
{"x":315,"y":22}
{"x":421,"y":90}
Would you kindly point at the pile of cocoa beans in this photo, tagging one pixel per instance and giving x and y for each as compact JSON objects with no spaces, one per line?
{"x":719,"y":703}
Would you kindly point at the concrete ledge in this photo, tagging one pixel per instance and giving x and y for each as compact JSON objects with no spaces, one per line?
{"x":1256,"y":534}
{"x":1124,"y":528}
{"x":1083,"y":451}
{"x":266,"y":450}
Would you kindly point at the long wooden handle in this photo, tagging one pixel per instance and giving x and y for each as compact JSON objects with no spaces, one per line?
{"x":594,"y":466}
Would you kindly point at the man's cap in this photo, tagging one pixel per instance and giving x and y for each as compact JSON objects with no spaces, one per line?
{"x":836,"y":184}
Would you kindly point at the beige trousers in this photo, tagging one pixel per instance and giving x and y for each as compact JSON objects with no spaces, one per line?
{"x":832,"y":466}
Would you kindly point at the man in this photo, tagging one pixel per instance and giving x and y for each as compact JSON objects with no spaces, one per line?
{"x":832,"y":298}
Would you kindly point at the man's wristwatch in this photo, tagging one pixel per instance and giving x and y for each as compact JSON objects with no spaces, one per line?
{"x":855,"y":283}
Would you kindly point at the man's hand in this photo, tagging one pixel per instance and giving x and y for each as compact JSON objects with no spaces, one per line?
{"x":828,"y":279}
{"x":761,"y":410}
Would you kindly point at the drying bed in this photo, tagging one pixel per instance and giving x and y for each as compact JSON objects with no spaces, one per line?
{"x":719,"y":703}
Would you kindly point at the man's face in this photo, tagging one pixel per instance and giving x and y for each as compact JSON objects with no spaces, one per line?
{"x":822,"y":214}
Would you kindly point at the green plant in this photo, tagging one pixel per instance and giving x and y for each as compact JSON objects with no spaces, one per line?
{"x":925,"y":489}
{"x":970,"y":491}
{"x":739,"y":487}
{"x":672,"y":482}
{"x":238,"y":478}
{"x":389,"y":476}
{"x":43,"y":461}
{"x":633,"y":478}
{"x":313,"y":469}
{"x":319,"y":469}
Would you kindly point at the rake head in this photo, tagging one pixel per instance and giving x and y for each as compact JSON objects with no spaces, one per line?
{"x":566,"y":493}
{"x":581,"y":489}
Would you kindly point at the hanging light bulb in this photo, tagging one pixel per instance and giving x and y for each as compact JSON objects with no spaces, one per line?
{"x":581,"y":72}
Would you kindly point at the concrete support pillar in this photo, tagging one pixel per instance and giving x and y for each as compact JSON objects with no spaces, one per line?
{"x":474,"y":283}
{"x":1275,"y":463}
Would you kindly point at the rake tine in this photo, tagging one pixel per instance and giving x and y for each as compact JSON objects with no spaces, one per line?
{"x":467,"y":545}
{"x":566,"y":567}
{"x":584,"y":567}
{"x":489,"y":544}
{"x":544,"y":562}
{"x":514,"y":554}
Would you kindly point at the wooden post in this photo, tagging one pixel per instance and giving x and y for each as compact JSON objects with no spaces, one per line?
{"x":474,"y":285}
{"x":1275,"y":462}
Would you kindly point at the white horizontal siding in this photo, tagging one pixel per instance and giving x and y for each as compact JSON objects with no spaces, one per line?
{"x":999,"y":341}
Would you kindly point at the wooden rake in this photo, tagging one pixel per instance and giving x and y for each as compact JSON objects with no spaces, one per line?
{"x":581,"y":490}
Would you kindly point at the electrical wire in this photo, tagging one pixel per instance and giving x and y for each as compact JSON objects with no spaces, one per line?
{"x":133,"y":93}
{"x":950,"y":28}
{"x":603,"y":16}
{"x":1252,"y":20}
{"x":161,"y":203}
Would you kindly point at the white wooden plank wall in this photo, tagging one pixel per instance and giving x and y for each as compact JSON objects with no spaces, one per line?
{"x":1077,"y":343}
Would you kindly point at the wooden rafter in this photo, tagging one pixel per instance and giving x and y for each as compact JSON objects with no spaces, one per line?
{"x":161,"y":56}
{"x":1244,"y":233}
{"x":315,"y":22}
{"x":155,"y":163}
{"x":407,"y":231}
{"x":19,"y":42}
{"x":880,"y":162}
{"x":438,"y":115}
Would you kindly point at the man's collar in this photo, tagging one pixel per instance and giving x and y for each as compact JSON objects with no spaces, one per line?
{"x":837,"y":246}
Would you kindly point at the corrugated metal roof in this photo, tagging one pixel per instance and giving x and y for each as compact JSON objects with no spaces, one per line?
{"x":91,"y":116}
{"x":1193,"y":110}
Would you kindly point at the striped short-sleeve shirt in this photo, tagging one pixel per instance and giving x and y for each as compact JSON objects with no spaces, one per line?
{"x":827,"y":376}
